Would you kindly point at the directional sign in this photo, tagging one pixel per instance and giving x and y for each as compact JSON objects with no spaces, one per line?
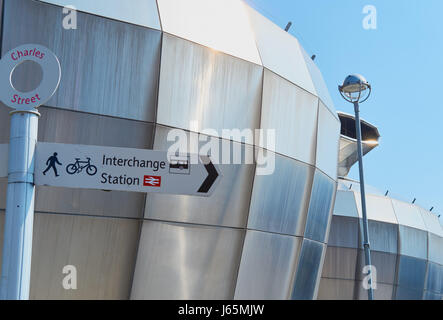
{"x":3,"y":160}
{"x":125,"y":169}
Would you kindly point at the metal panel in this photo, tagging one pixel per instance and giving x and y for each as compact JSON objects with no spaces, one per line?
{"x":227,"y":206}
{"x":328,"y":135}
{"x":383,"y":292}
{"x":317,"y":280}
{"x":4,"y":154}
{"x":385,"y":264}
{"x":382,"y":236}
{"x":402,"y":293}
{"x":178,"y":261}
{"x":318,"y":81}
{"x":434,"y":278}
{"x":292,"y":113}
{"x":336,"y":289}
{"x":378,"y":208}
{"x":3,"y":188}
{"x":4,"y":140}
{"x":66,"y":126}
{"x":4,"y":124}
{"x":345,"y":204}
{"x":102,"y":250}
{"x":89,"y":202}
{"x":109,"y":68}
{"x":340,"y":263}
{"x":354,"y":186}
{"x":308,"y":273}
{"x":280,"y":201}
{"x":413,"y":242}
{"x":280,"y":51}
{"x":348,"y":153}
{"x":432,"y":296}
{"x":435,"y":248}
{"x":140,"y":12}
{"x":2,"y":228}
{"x":431,"y":222}
{"x":219,"y":24}
{"x":1,"y":17}
{"x":411,"y":273}
{"x":267,"y":266}
{"x":408,"y":214}
{"x":214,"y":89}
{"x":343,"y":185}
{"x":320,"y":207}
{"x":344,"y":232}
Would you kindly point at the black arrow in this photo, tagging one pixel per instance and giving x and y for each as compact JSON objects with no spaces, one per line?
{"x":210,"y":179}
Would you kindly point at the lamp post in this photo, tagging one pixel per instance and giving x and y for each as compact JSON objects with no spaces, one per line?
{"x":356,"y":89}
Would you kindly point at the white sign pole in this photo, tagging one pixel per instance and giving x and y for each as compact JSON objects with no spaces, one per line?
{"x":17,"y":246}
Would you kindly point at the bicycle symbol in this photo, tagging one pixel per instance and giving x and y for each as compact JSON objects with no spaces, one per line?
{"x":78,"y":167}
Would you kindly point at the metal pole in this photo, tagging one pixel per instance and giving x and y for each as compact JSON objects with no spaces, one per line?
{"x":17,"y":247}
{"x":363,"y":200}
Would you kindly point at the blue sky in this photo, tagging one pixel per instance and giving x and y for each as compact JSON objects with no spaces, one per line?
{"x":403,"y":60}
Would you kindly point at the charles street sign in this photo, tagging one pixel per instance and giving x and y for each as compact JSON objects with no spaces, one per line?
{"x":49,"y":84}
{"x":124,"y":169}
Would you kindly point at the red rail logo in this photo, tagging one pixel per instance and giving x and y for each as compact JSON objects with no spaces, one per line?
{"x":152,"y":181}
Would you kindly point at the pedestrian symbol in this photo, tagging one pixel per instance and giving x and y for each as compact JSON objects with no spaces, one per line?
{"x":51,"y":162}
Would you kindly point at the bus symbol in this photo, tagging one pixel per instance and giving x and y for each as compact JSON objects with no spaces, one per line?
{"x":179,"y":165}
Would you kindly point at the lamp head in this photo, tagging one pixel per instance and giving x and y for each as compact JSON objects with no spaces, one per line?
{"x":355,"y":88}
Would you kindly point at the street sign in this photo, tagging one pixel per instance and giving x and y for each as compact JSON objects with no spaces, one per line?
{"x":124,"y":169}
{"x":17,"y":243}
{"x":4,"y":160}
{"x":51,"y":77}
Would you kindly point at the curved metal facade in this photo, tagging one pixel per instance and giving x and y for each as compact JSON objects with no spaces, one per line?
{"x":131,"y":76}
{"x":406,"y":247}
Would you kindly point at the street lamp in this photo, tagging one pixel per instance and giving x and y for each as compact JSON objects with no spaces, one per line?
{"x":356,"y":89}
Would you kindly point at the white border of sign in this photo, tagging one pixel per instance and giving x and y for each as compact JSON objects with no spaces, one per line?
{"x":49,"y":84}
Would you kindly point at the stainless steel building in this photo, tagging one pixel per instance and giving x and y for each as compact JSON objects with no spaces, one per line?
{"x":406,"y":246}
{"x":406,"y":240}
{"x":129,"y":75}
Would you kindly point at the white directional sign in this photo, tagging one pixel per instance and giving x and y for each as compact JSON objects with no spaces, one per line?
{"x":125,"y":169}
{"x":3,"y":160}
